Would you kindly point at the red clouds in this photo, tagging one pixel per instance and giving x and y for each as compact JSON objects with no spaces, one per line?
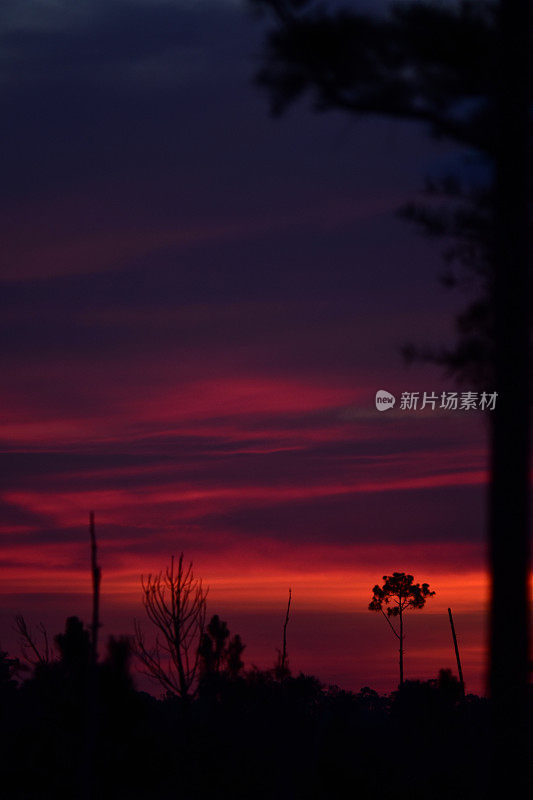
{"x":266,"y":481}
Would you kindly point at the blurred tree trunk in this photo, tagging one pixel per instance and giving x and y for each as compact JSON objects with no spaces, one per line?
{"x":401,"y":646}
{"x":429,"y":62}
{"x":510,"y":445}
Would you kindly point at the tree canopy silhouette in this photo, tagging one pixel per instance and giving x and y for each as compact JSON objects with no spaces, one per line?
{"x":219,"y":652}
{"x":424,"y":62}
{"x":398,"y":594}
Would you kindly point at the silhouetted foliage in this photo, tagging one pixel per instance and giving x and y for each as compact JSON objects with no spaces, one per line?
{"x":219,"y":652}
{"x":421,"y":61}
{"x":398,"y":594}
{"x":9,"y":668}
{"x":255,"y":736}
{"x":74,"y":647}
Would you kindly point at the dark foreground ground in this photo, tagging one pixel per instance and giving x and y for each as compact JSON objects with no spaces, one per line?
{"x":252,"y":735}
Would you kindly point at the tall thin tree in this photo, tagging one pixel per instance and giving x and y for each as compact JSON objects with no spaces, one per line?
{"x":398,"y":594}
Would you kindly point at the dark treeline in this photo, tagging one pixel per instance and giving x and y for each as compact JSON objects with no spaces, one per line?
{"x":242,"y":733}
{"x":74,"y":725}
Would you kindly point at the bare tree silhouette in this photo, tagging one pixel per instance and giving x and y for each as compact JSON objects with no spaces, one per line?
{"x":175,"y":603}
{"x":33,"y":652}
{"x":398,"y":594}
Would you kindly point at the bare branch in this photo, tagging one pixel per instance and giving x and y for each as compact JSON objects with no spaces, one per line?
{"x":395,"y":632}
{"x":29,"y":644}
{"x":175,"y":604}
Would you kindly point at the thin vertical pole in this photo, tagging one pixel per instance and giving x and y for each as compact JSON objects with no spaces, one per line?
{"x":457,"y":656}
{"x":284,"y":652}
{"x":87,"y":777}
{"x":96,"y":576}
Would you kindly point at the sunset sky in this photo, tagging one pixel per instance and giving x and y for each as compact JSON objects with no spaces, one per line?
{"x":199,"y":304}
